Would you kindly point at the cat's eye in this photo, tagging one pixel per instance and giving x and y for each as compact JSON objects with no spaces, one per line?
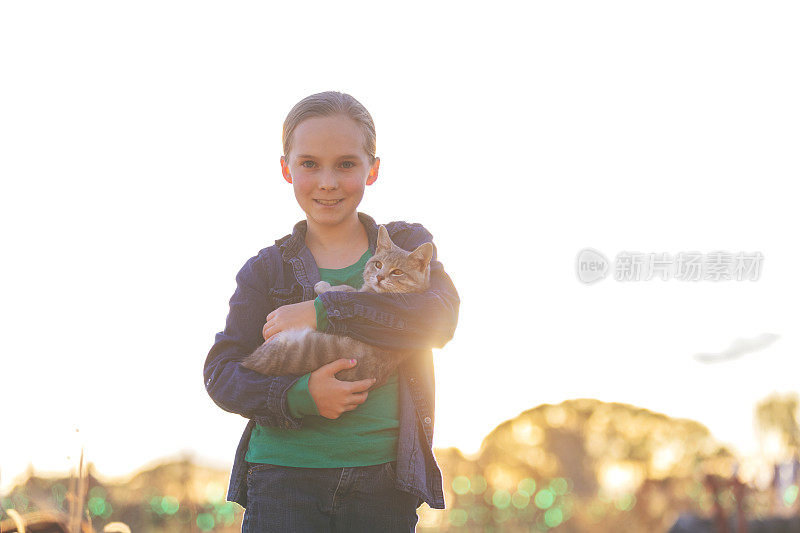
{"x":396,"y":272}
{"x":377,"y":264}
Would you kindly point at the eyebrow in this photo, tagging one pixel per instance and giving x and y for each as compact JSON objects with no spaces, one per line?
{"x":349,"y":156}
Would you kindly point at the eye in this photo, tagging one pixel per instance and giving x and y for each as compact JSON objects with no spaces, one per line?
{"x":349,"y":163}
{"x":377,"y":264}
{"x":303,"y":164}
{"x":396,"y":272}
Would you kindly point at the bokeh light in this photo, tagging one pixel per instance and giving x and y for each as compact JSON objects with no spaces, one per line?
{"x":97,"y":506}
{"x":520,"y":500}
{"x":544,"y":498}
{"x":478,"y":484}
{"x":461,"y":484}
{"x":625,"y":502}
{"x":170,"y":505}
{"x":553,"y":517}
{"x":790,"y":495}
{"x":205,"y":522}
{"x":559,"y":486}
{"x":458,"y":517}
{"x":501,"y":499}
{"x":527,"y":486}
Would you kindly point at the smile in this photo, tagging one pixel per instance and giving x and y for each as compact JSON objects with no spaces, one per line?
{"x":328,"y":202}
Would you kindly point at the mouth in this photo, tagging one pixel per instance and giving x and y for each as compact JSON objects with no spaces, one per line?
{"x":329,"y":203}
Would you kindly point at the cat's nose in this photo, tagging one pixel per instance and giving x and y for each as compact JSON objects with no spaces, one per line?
{"x":379,"y":278}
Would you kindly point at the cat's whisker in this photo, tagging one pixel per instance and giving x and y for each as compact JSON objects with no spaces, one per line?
{"x":401,"y":293}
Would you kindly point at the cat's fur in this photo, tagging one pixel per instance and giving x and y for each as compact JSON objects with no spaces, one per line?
{"x":300,"y":351}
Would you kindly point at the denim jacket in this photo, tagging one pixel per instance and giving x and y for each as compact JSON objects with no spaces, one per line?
{"x":285,"y":273}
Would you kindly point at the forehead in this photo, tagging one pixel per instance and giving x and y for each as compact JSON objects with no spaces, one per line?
{"x":332,"y":136}
{"x":391,"y":255}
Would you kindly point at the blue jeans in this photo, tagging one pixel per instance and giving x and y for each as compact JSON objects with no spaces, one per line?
{"x":351,"y":499}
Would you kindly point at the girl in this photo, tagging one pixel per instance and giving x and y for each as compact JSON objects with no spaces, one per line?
{"x":319,"y":454}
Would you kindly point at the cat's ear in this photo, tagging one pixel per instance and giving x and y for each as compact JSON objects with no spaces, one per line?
{"x":384,"y":242}
{"x":422,"y":255}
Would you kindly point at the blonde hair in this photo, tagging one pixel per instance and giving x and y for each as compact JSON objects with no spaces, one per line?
{"x":325,"y":104}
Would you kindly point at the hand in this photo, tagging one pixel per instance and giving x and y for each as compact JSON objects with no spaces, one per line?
{"x":333,"y":396}
{"x":290,"y":316}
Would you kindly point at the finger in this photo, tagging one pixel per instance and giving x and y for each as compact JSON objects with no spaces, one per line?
{"x":340,"y":364}
{"x":271,"y":315}
{"x":353,"y":404}
{"x":363,"y":385}
{"x":359,"y":397}
{"x":272,"y":328}
{"x":268,"y":333}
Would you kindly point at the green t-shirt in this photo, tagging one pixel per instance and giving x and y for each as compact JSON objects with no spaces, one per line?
{"x":367,"y":435}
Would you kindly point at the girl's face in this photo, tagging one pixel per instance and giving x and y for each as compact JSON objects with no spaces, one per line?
{"x":329,"y":169}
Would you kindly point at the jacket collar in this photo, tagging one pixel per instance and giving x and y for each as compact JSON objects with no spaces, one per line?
{"x":291,"y":245}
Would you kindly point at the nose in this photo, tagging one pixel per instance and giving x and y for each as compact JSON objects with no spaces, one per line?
{"x":379,"y":278}
{"x":327,"y":181}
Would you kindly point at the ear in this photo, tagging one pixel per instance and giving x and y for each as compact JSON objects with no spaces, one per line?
{"x":384,"y":242}
{"x":285,"y":170}
{"x":422,"y":254}
{"x":373,"y":172}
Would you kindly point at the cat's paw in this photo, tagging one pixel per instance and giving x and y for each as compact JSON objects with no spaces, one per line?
{"x":343,"y":288}
{"x":322,"y":286}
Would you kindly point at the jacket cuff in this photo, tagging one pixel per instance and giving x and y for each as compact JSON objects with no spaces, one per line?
{"x":338,"y":307}
{"x":299,"y":399}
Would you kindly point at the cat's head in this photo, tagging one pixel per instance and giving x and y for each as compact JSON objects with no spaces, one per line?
{"x":393,"y":269}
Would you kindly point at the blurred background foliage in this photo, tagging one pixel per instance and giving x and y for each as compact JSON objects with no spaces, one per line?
{"x":582,"y":465}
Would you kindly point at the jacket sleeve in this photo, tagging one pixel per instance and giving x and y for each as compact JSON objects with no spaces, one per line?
{"x":409,"y":321}
{"x":237,"y":389}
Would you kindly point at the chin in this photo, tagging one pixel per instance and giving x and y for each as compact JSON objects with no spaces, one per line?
{"x":333,"y":219}
{"x":375,"y":288}
{"x":328,"y":221}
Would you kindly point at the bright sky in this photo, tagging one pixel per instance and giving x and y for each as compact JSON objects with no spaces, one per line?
{"x":139,"y":155}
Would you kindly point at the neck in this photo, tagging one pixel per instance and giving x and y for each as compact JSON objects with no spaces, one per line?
{"x":343,"y":235}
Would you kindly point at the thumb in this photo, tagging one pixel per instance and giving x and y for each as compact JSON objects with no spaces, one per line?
{"x":341,"y":364}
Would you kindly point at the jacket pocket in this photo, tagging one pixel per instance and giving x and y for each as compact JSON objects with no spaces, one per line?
{"x":391,"y":469}
{"x":282,"y":297}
